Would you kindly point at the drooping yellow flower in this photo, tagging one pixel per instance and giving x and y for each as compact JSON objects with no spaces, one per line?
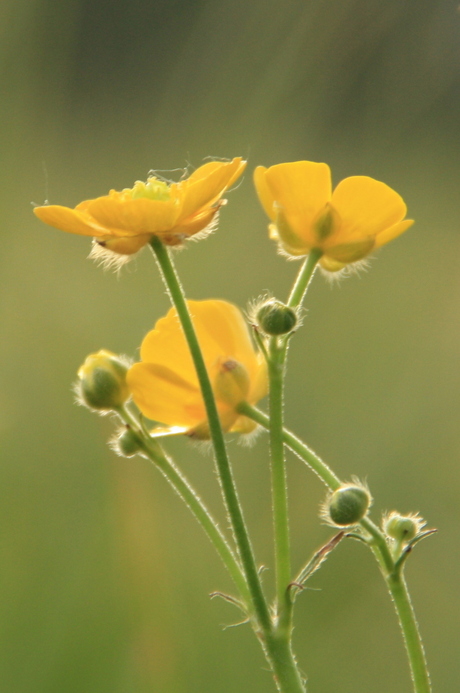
{"x":361,"y":214}
{"x":165,"y":386}
{"x":123,"y":222}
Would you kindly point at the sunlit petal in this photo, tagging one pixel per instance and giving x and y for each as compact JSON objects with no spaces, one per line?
{"x":367,"y":207}
{"x":300,"y":189}
{"x":393,"y":232}
{"x":165,"y":386}
{"x":161,"y":395}
{"x":69,"y":220}
{"x":263,"y":191}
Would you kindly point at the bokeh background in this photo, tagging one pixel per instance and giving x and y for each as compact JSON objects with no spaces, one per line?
{"x":104,"y":575}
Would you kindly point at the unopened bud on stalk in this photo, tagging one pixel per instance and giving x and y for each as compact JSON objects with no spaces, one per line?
{"x":102,"y":381}
{"x":127,"y":444}
{"x":275,"y":318}
{"x":347,"y":505}
{"x":402,"y":528}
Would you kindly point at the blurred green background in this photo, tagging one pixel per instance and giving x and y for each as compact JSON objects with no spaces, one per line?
{"x":104,"y":576}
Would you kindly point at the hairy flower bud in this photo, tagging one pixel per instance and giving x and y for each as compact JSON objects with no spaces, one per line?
{"x":274,"y":318}
{"x":102,"y":381}
{"x":347,"y":505}
{"x":402,"y":528}
{"x":127,"y":444}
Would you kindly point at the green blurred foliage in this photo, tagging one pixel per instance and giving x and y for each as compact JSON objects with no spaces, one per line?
{"x":104,"y":576}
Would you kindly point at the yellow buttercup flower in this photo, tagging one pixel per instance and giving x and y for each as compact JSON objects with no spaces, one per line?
{"x":165,"y":387}
{"x":345,"y":225}
{"x":123,"y":222}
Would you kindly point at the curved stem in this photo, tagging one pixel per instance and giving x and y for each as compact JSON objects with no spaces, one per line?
{"x":186,"y":492}
{"x":304,"y":278}
{"x":296,"y":445}
{"x":378,"y":544}
{"x":231,"y":499}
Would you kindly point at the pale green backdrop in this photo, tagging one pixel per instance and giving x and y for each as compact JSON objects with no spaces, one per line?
{"x":104,"y":576}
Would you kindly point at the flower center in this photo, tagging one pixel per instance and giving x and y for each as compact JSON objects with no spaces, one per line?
{"x":153,"y":189}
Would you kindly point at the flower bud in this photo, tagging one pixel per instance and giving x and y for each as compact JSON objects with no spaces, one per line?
{"x":347,"y":505}
{"x":231,"y":384}
{"x":102,"y":381}
{"x":274,"y":318}
{"x":402,"y":528}
{"x":127,"y":444}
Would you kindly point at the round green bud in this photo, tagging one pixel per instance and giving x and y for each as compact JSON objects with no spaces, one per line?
{"x":128,"y":443}
{"x":348,"y":505}
{"x":275,"y":318}
{"x":102,"y":381}
{"x":402,"y":527}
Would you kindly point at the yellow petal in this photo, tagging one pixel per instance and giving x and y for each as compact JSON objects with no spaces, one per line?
{"x":222,"y":331}
{"x":264,"y":193}
{"x":393,"y":232}
{"x":202,"y":221}
{"x":165,"y":345}
{"x":351,"y":252}
{"x":259,"y":382}
{"x":243,"y":425}
{"x":233,"y":168}
{"x":127,"y":217}
{"x":163,"y":396}
{"x":290,"y":240}
{"x":300,"y":189}
{"x":331,"y":265}
{"x":69,"y":220}
{"x":124,"y":246}
{"x":207,"y":184}
{"x":367,"y":207}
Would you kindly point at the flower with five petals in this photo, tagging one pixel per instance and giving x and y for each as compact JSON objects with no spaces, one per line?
{"x":345,"y":225}
{"x":164,"y":385}
{"x":123,"y":222}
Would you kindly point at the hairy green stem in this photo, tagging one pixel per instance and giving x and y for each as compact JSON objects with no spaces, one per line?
{"x":277,"y":354}
{"x":276,"y":369}
{"x":296,"y":445}
{"x":187,"y":493}
{"x":284,"y":666}
{"x":222,"y":462}
{"x":304,"y":278}
{"x":379,"y":546}
{"x":408,"y":622}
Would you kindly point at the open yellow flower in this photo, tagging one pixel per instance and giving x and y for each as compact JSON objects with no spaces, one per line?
{"x":123,"y":222}
{"x":345,"y":225}
{"x":165,"y":386}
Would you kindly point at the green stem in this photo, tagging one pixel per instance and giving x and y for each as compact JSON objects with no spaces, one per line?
{"x":408,"y":622}
{"x":296,"y":445}
{"x":276,"y":369}
{"x":284,"y":667}
{"x":277,"y":354}
{"x":222,"y":462}
{"x":379,"y":546}
{"x":380,"y":549}
{"x":304,"y":278}
{"x":186,"y":492}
